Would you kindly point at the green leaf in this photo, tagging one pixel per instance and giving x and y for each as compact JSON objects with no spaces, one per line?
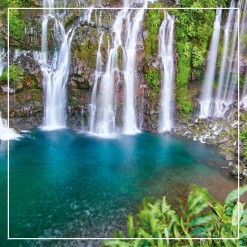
{"x":237,"y":213}
{"x":143,"y":233}
{"x":234,"y":195}
{"x":243,"y":220}
{"x":161,"y":241}
{"x":117,"y":243}
{"x":131,"y":228}
{"x":243,"y":233}
{"x":200,"y":231}
{"x":205,"y":219}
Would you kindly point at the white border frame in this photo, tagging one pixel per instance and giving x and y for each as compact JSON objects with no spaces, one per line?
{"x":238,"y":138}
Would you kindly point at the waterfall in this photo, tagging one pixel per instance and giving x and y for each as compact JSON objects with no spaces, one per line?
{"x":5,"y":132}
{"x":105,"y":120}
{"x":55,"y":69}
{"x":232,"y":78}
{"x":243,"y":30}
{"x":207,"y":89}
{"x":133,"y":27}
{"x":1,"y":60}
{"x":225,"y":53}
{"x":223,"y":100}
{"x":55,"y":78}
{"x":166,"y":55}
{"x":97,"y":75}
{"x":103,"y":111}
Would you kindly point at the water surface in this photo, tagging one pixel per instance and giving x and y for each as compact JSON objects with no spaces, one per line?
{"x":68,"y":184}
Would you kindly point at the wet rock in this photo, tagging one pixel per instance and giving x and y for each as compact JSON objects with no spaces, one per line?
{"x":234,"y":170}
{"x":7,"y":89}
{"x":224,"y":140}
{"x":244,"y":172}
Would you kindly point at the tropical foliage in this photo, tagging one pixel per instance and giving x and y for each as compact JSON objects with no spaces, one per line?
{"x":204,"y":217}
{"x":194,"y":28}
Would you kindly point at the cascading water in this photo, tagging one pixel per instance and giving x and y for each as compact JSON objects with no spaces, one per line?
{"x":5,"y":132}
{"x":222,"y":102}
{"x":97,"y":75}
{"x":102,"y":114}
{"x":243,"y":30}
{"x":232,"y":79}
{"x":166,"y":55}
{"x":105,"y":115}
{"x":55,"y":71}
{"x":133,"y":27}
{"x":207,"y":89}
{"x":1,"y":60}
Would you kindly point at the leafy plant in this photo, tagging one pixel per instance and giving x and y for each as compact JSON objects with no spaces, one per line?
{"x":243,"y":137}
{"x":153,"y":20}
{"x":152,"y":76}
{"x":16,"y":24}
{"x":16,"y":18}
{"x":193,"y":31}
{"x":205,"y":218}
{"x":13,"y":73}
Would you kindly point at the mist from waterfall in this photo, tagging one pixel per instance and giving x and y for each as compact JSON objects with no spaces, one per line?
{"x":207,"y":88}
{"x":55,"y":68}
{"x":166,"y":55}
{"x":103,"y":110}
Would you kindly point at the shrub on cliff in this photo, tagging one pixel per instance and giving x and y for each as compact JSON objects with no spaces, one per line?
{"x":243,"y":137}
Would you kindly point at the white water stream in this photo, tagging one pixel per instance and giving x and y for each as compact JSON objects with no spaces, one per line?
{"x":166,"y":55}
{"x":5,"y":132}
{"x":243,"y":30}
{"x":225,"y":84}
{"x":103,"y":101}
{"x":207,"y":89}
{"x":55,"y":68}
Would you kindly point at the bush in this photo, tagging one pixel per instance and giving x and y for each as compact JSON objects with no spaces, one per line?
{"x":153,"y":21}
{"x":152,"y":77}
{"x":243,"y":137}
{"x":193,"y":31}
{"x":13,"y":73}
{"x":205,"y":218}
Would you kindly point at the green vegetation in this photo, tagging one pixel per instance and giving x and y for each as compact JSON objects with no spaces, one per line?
{"x":243,"y":137}
{"x":193,"y":31}
{"x":183,"y":64}
{"x":152,"y":76}
{"x":16,"y":18}
{"x":205,"y":218}
{"x":16,"y":77}
{"x":13,"y":73}
{"x":153,"y":21}
{"x":17,"y":3}
{"x":16,"y":24}
{"x":120,"y":54}
{"x":87,"y":52}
